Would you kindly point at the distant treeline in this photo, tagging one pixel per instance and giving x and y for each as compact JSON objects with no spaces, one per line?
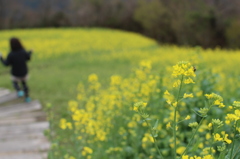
{"x":207,"y":23}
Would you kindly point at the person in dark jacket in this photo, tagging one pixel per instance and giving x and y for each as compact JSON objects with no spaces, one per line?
{"x":17,"y":59}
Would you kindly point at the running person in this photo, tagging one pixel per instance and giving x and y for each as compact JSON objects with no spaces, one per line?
{"x":17,"y":59}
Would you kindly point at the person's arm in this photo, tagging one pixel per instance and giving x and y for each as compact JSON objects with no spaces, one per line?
{"x":28,"y":54}
{"x":5,"y":62}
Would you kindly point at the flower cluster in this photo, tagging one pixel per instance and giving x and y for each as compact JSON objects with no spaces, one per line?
{"x":197,"y":157}
{"x":87,"y":151}
{"x":97,"y":115}
{"x":234,"y":117}
{"x":215,"y":99}
{"x":184,"y":72}
{"x":224,"y":137}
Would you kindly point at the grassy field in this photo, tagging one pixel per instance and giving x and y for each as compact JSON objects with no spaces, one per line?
{"x":63,"y":58}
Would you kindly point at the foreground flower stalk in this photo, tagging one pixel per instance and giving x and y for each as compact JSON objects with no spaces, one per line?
{"x":234,"y":140}
{"x":175,"y":118}
{"x":140,"y":108}
{"x":183,"y":73}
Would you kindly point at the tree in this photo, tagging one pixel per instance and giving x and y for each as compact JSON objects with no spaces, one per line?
{"x":154,"y":18}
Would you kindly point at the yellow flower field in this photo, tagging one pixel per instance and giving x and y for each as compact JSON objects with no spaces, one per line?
{"x":161,"y":101}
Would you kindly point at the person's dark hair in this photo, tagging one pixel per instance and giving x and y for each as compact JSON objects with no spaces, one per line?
{"x":15,"y":44}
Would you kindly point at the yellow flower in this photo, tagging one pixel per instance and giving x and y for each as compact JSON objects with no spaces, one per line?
{"x":217,"y":102}
{"x":166,"y":92}
{"x":185,"y":157}
{"x":169,"y":102}
{"x":116,"y":80}
{"x":208,"y":157}
{"x":221,"y":105}
{"x":72,"y":105}
{"x":147,"y":138}
{"x":92,"y":78}
{"x":168,"y":125}
{"x":226,"y":139}
{"x":176,"y":83}
{"x":135,"y":108}
{"x":217,"y":137}
{"x":209,"y":96}
{"x":63,"y":123}
{"x":210,"y":126}
{"x":227,"y":122}
{"x":188,"y":81}
{"x":208,"y":136}
{"x":199,"y":93}
{"x":69,"y":125}
{"x":188,"y":117}
{"x":139,"y":106}
{"x":86,"y":151}
{"x":188,"y":95}
{"x":238,"y":129}
{"x":237,"y":113}
{"x":175,"y":104}
{"x":183,"y":68}
{"x":200,"y":145}
{"x":146,"y":64}
{"x":132,"y":124}
{"x":180,"y":150}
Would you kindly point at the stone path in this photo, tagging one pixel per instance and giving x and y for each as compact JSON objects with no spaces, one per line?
{"x":21,"y":128}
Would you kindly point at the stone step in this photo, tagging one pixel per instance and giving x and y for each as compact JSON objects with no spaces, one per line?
{"x":27,"y":136}
{"x":6,"y":97}
{"x":4,"y":92}
{"x":24,"y":118}
{"x":24,"y":155}
{"x":24,"y":145}
{"x":29,"y":114}
{"x":19,"y":108}
{"x":11,"y":130}
{"x":22,"y":127}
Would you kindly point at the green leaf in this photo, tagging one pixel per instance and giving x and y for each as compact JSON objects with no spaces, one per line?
{"x":155,"y":125}
{"x":148,"y":119}
{"x":222,"y":154}
{"x":155,"y":135}
{"x":155,"y":132}
{"x":196,"y":113}
{"x":236,"y":149}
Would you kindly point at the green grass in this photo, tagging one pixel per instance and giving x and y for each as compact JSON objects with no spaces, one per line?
{"x":54,"y":78}
{"x":78,"y":52}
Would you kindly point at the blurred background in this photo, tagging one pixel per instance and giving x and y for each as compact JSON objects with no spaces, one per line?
{"x":206,"y":23}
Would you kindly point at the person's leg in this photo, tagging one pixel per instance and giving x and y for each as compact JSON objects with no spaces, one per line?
{"x":15,"y":81}
{"x":17,"y":88}
{"x":26,"y":91}
{"x":25,"y":88}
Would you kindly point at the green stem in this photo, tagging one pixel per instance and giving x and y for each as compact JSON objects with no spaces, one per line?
{"x":50,"y":130}
{"x":232,"y":147}
{"x":175,"y":120}
{"x":155,"y":142}
{"x":192,"y":137}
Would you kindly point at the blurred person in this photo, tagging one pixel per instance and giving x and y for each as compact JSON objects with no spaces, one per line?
{"x":17,"y":59}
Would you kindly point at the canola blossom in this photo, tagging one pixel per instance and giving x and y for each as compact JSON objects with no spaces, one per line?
{"x":143,"y":115}
{"x":96,"y":117}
